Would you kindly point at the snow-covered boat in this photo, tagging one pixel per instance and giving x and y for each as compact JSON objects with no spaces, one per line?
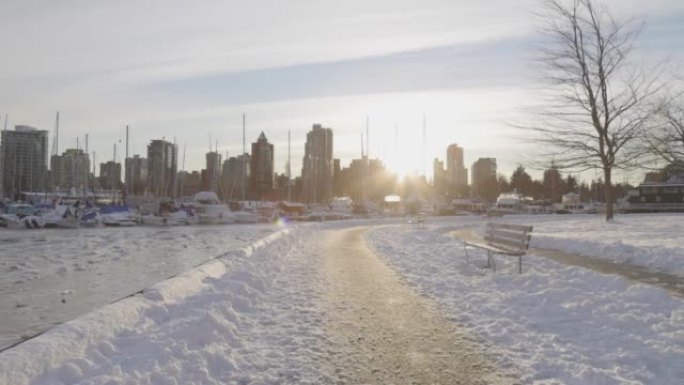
{"x":508,"y":203}
{"x":177,"y":218}
{"x":12,"y":221}
{"x":243,"y":216}
{"x":119,"y":216}
{"x":63,"y":217}
{"x":168,"y":215}
{"x":91,"y":218}
{"x":210,"y":211}
{"x":22,"y":216}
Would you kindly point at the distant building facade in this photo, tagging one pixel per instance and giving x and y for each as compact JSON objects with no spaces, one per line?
{"x":482,"y":171}
{"x":212,"y":172}
{"x":110,"y":175}
{"x":162,"y":164}
{"x":317,"y":165}
{"x":23,"y":160}
{"x":262,"y":176}
{"x":235,"y":177}
{"x":457,"y":174}
{"x":366,"y":179}
{"x":189,"y":183}
{"x":439,"y":178}
{"x":70,"y":170}
{"x":136,"y":175}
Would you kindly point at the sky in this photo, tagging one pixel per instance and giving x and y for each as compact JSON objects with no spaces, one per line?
{"x":187,"y":71}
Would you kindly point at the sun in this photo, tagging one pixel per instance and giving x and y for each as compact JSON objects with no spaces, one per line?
{"x":403,"y":161}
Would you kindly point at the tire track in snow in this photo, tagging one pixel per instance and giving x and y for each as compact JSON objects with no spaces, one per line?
{"x":385,"y":332}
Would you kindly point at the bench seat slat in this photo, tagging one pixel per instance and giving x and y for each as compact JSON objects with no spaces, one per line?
{"x":495,"y":249}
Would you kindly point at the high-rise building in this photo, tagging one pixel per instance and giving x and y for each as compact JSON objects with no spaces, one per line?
{"x":70,"y":170}
{"x":235,"y":176}
{"x":366,"y":179}
{"x":317,"y":165}
{"x":261,"y":178}
{"x":439,"y":177}
{"x":212,"y":172}
{"x":483,"y":170}
{"x":136,"y":175}
{"x":457,"y":174}
{"x":162,"y":165}
{"x":110,"y":175}
{"x":23,"y":154}
{"x":189,"y":183}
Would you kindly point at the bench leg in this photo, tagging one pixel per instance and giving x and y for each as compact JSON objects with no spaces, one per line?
{"x":490,"y":261}
{"x":520,"y":264}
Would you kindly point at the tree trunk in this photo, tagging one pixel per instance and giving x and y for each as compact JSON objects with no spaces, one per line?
{"x":608,"y":192}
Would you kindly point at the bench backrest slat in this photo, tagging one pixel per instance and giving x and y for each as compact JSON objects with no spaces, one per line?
{"x":508,"y":226}
{"x":509,"y":236}
{"x":511,"y":245}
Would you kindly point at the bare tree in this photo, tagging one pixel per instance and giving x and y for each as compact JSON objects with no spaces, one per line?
{"x":666,"y":139}
{"x":597,"y":100}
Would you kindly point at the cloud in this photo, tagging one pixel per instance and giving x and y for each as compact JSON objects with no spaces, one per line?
{"x":176,"y":68}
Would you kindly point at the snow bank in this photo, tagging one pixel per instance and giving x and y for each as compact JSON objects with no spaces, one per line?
{"x":64,"y":353}
{"x":554,"y":324}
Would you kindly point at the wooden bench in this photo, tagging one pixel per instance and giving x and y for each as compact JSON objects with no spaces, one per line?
{"x":495,"y":214}
{"x":504,"y":239}
{"x":420,"y":220}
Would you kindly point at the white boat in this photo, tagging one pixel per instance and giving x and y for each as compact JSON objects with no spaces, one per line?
{"x":91,"y":218}
{"x":63,"y":217}
{"x":571,"y":203}
{"x":119,"y":216}
{"x":22,"y":216}
{"x":508,"y":203}
{"x":179,"y":217}
{"x":243,"y":216}
{"x":210,"y":211}
{"x":169,"y":215}
{"x":15,"y":222}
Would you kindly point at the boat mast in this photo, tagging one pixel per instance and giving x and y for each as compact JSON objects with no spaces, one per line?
{"x":243,"y":173}
{"x":160,"y":187}
{"x":85,"y":188}
{"x":289,"y":170}
{"x":182,"y":181}
{"x":55,"y":147}
{"x":92,"y":184}
{"x":127,"y":166}
{"x":423,"y":153}
{"x":363,"y":171}
{"x":174,"y":162}
{"x":111,"y":172}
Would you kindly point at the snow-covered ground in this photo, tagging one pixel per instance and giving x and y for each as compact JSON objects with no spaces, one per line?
{"x":558,"y":324}
{"x":654,"y":241}
{"x":258,"y":316}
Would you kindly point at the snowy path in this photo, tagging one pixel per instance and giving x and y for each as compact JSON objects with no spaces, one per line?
{"x":640,"y":274}
{"x":553,"y":324}
{"x":390,"y":334}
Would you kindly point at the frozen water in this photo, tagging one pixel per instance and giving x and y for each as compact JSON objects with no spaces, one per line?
{"x":54,"y":275}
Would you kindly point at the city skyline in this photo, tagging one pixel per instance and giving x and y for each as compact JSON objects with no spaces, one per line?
{"x":464,"y":66}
